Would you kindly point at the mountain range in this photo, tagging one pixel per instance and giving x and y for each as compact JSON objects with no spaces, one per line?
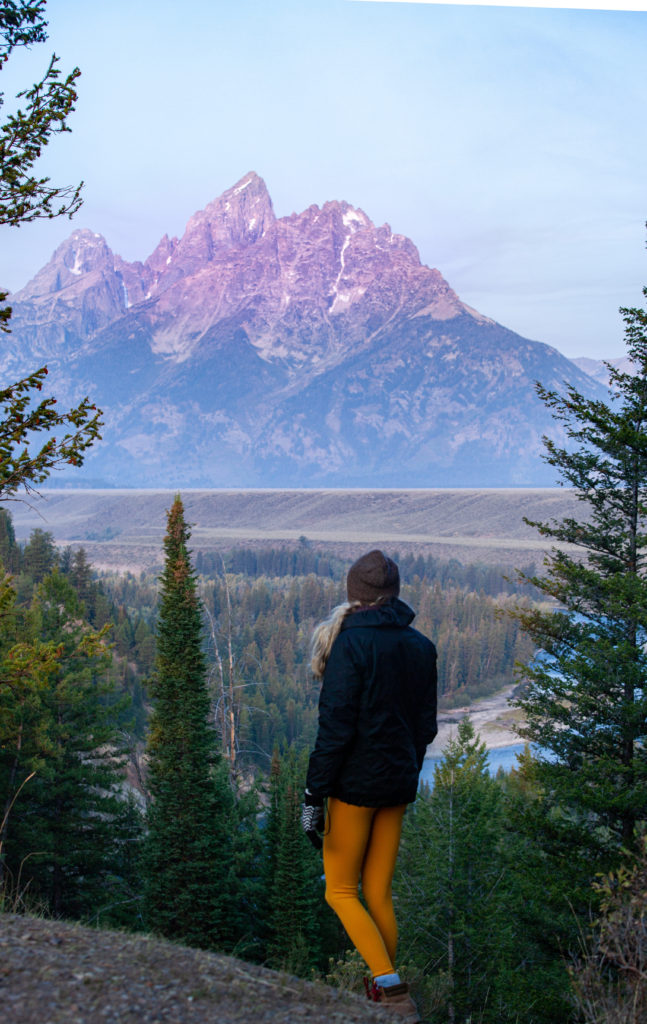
{"x":303,"y":351}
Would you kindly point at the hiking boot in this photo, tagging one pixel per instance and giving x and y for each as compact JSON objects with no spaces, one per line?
{"x":398,"y":999}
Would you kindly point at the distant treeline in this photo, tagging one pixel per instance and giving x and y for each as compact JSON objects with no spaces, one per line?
{"x":305,"y":560}
{"x":275,"y":562}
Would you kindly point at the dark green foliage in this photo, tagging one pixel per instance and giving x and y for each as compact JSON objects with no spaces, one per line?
{"x":487,"y":579}
{"x":39,"y":556}
{"x":586,"y":698}
{"x":62,"y":831}
{"x":248,"y":905}
{"x":22,"y":415}
{"x":476,"y":647}
{"x":274,"y":699}
{"x":482,"y":911}
{"x":9,"y":550}
{"x":27,"y":668}
{"x":188,"y":866}
{"x":302,"y":930}
{"x":23,"y":22}
{"x":452,"y":899}
{"x":64,"y":694}
{"x":131,"y":636}
{"x":546,"y":879}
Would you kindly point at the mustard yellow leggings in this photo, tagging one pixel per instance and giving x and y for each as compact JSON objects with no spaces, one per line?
{"x":362,"y":842}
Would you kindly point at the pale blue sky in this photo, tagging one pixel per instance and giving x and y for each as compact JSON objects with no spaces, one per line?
{"x":508,"y":143}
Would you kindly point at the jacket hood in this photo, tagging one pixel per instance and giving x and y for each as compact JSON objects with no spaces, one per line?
{"x":393,"y":612}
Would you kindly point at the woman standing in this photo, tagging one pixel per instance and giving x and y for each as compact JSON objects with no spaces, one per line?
{"x":377,"y":714}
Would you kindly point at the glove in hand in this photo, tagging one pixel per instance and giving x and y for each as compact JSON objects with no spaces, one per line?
{"x":312,"y":819}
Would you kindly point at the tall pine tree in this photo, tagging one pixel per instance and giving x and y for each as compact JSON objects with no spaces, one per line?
{"x":188,"y":864}
{"x":585,"y":703}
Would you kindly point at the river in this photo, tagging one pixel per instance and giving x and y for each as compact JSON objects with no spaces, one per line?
{"x":498,"y":757}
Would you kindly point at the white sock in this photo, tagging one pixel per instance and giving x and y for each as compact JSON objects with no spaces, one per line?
{"x":385,"y":980}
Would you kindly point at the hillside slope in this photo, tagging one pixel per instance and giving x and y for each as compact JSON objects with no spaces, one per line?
{"x":54,"y":972}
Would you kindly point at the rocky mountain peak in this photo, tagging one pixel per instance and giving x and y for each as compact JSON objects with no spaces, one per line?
{"x":79,"y":255}
{"x":244,"y":211}
{"x":239,"y":217}
{"x":311,"y":349}
{"x":161,"y":256}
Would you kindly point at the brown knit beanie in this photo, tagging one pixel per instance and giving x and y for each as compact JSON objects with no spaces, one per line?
{"x":372,"y":576}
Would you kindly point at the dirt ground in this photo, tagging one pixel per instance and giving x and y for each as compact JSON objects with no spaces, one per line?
{"x":54,"y":972}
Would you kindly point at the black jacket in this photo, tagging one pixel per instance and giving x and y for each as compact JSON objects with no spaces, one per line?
{"x":377,"y":709}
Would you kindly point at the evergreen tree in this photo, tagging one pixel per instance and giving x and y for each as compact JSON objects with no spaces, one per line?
{"x":188,"y":868}
{"x":26,"y":667}
{"x":64,"y":826}
{"x":9,"y":550}
{"x":585,"y":701}
{"x":248,"y":907}
{"x":456,"y":921}
{"x":39,"y":555}
{"x":301,"y":929}
{"x":546,"y":879}
{"x":81,"y":579}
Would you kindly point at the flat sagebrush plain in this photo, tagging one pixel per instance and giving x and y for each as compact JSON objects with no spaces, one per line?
{"x":123,"y":529}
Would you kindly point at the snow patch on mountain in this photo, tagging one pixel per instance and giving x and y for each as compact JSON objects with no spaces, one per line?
{"x":240,"y":188}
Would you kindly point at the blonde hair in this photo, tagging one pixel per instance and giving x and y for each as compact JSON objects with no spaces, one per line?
{"x":325,"y":635}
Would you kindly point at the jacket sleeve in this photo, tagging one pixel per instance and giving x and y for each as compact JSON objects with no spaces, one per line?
{"x":427,"y":727}
{"x":339,"y":704}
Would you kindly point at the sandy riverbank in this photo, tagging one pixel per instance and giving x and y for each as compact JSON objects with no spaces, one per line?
{"x":492,"y":717}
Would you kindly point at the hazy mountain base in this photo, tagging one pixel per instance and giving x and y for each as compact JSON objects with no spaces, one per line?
{"x":59,"y":972}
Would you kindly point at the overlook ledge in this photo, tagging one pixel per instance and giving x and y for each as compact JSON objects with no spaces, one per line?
{"x":56,"y":972}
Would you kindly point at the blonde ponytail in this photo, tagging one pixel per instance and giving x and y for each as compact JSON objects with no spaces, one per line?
{"x":325,"y":635}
